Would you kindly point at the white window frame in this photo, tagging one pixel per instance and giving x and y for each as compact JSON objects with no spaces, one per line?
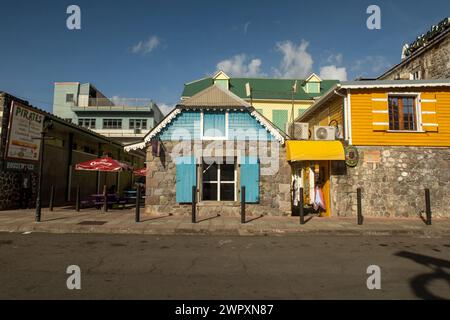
{"x":136,"y":121}
{"x":219,"y":182}
{"x":112,"y":119}
{"x":83,"y":120}
{"x":417,"y":97}
{"x":206,"y":138}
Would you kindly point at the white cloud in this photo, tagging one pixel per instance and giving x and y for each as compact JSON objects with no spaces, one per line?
{"x":333,"y":73}
{"x":165,"y":108}
{"x":240,"y":66}
{"x":146,"y":46}
{"x":335,"y":59}
{"x":296,"y":62}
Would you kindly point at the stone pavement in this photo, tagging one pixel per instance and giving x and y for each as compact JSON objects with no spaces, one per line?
{"x":67,"y":220}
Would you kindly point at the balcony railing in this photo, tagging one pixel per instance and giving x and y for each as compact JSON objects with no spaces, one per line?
{"x":121,"y":132}
{"x":112,"y":104}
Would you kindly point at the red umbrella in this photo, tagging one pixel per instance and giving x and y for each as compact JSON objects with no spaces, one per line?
{"x":103,"y":164}
{"x":140,"y":172}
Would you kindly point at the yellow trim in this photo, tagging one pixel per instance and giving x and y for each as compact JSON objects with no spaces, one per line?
{"x":314,"y":150}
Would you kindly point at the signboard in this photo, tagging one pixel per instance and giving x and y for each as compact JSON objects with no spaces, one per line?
{"x":424,"y":39}
{"x":19,"y":166}
{"x":25,"y":125}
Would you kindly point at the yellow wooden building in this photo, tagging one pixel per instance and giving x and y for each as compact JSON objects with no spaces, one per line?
{"x":394,"y":143}
{"x":278,"y":100}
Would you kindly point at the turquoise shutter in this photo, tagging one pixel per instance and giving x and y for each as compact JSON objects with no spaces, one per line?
{"x":186,"y":178}
{"x":250,"y":178}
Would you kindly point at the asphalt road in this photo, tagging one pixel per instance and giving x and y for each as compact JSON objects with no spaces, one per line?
{"x":34,"y":266}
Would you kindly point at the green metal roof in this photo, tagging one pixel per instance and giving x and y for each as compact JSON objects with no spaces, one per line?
{"x":263,"y":88}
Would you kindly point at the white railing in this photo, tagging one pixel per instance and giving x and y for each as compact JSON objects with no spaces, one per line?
{"x":113,"y":104}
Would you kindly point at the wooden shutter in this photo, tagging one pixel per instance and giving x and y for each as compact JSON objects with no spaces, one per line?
{"x":428,"y":109}
{"x":380,"y":112}
{"x":249,"y":178}
{"x":186,"y":178}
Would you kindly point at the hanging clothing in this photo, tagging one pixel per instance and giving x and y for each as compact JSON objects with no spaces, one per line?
{"x":319,"y":201}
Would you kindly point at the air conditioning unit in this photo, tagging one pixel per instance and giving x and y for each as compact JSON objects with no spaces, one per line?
{"x":324,"y":133}
{"x":300,"y":130}
{"x":137,"y":131}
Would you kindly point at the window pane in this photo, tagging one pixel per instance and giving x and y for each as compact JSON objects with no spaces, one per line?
{"x":227,"y":192}
{"x":214,"y":124}
{"x":210,"y":191}
{"x":227,"y":172}
{"x":210,"y":172}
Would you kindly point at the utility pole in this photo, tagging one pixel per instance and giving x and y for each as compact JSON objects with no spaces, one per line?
{"x":47,"y":125}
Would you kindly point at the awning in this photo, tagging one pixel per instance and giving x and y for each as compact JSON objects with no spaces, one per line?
{"x":304,"y":150}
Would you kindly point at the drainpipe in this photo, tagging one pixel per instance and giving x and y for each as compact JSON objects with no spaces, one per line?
{"x":345,"y":125}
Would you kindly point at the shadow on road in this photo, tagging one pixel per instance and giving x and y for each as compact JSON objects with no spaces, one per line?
{"x":157,"y":218}
{"x":420,"y":283}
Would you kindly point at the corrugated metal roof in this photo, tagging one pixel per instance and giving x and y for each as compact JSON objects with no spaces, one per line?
{"x":215,"y":96}
{"x":262,"y":88}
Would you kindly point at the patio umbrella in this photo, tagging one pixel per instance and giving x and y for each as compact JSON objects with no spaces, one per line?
{"x":104,"y":164}
{"x":140,"y":172}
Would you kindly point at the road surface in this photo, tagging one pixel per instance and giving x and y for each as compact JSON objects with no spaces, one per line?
{"x":33,"y":266}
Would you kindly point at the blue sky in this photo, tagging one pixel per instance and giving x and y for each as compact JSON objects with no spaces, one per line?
{"x":149,"y":49}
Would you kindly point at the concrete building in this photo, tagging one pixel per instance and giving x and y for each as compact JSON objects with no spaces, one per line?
{"x":68,"y":144}
{"x":428,"y":57}
{"x":126,"y":120}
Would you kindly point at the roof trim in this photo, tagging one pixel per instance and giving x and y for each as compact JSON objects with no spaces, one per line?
{"x":377,"y":84}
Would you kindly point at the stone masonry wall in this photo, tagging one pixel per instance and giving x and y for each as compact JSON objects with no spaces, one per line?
{"x":434,"y":63}
{"x":393,"y":181}
{"x":10,"y":190}
{"x":161,"y":188}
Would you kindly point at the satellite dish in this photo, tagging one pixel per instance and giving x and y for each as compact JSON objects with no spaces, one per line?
{"x":248,"y":89}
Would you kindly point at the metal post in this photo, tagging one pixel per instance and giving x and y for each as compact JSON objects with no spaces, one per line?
{"x":105,"y":199}
{"x":138,"y":204}
{"x":301,"y":204}
{"x":359,"y":203}
{"x":39,"y":186}
{"x":52,"y":197}
{"x":243,"y":205}
{"x":77,"y":203}
{"x":428,"y":206}
{"x":194,"y":199}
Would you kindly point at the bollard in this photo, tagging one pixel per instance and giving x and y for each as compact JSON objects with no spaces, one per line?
{"x":105,"y":199}
{"x":77,"y":203}
{"x":243,"y":205}
{"x":301,"y":204}
{"x":359,"y":203}
{"x":194,"y":199}
{"x":138,"y":204}
{"x":428,"y":206}
{"x":52,"y":197}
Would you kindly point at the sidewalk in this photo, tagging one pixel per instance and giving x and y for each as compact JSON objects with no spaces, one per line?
{"x":122,"y":222}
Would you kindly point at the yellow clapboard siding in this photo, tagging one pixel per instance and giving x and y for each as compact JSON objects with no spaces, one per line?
{"x":363,"y":134}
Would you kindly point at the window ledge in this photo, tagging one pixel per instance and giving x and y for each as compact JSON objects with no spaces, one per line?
{"x":405,"y":131}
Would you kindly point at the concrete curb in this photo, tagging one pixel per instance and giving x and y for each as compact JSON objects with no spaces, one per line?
{"x":238,"y":231}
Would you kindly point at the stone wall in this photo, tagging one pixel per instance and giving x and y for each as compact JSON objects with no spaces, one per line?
{"x":161,"y":187}
{"x":393,"y":181}
{"x":10,"y":190}
{"x":433,"y":63}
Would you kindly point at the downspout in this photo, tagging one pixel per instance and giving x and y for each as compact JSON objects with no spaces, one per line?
{"x":345,"y":124}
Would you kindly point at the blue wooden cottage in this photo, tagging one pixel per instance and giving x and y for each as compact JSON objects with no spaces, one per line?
{"x":218,"y":143}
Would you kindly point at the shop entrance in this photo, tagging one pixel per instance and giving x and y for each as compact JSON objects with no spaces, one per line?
{"x":314,"y":178}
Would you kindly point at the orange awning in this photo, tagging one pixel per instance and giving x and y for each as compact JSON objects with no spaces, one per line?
{"x":305,"y":150}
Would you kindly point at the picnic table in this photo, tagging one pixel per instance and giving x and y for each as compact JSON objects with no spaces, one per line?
{"x":130,"y":196}
{"x":111,"y":199}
